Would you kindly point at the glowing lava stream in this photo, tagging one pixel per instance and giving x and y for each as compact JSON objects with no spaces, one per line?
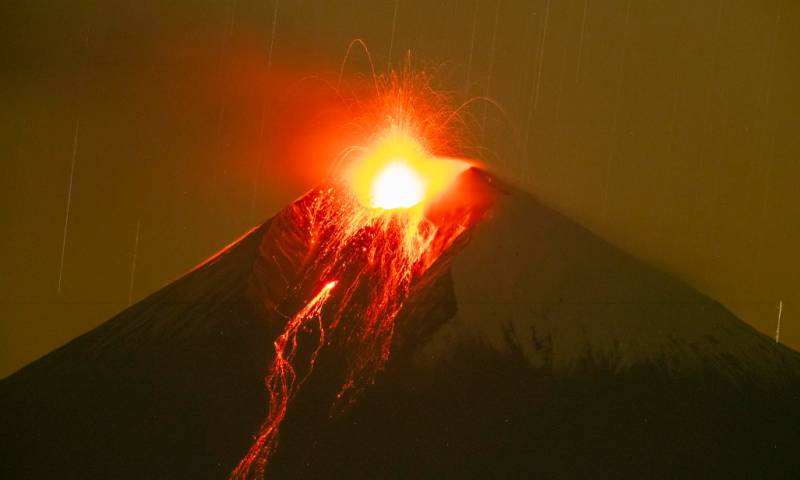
{"x":369,"y":238}
{"x":282,"y":382}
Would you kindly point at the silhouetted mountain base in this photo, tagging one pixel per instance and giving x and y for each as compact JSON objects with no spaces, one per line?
{"x":481,"y":414}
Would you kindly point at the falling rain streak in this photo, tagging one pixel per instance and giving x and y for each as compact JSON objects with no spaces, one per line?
{"x":580,"y":41}
{"x":560,"y":90}
{"x":767,"y":151}
{"x":222,"y":68}
{"x":394,"y":29}
{"x":533,"y":100}
{"x":491,"y":67}
{"x":615,"y":113}
{"x":69,"y":204}
{"x":272,"y":33}
{"x":713,"y":227}
{"x":260,"y":162}
{"x":133,"y":261}
{"x":472,"y":41}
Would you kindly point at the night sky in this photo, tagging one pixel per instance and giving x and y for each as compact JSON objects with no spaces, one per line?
{"x":668,"y":127}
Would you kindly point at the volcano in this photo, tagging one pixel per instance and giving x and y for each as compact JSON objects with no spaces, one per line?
{"x":520,"y":345}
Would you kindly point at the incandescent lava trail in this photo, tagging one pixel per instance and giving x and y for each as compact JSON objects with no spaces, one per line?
{"x":368,"y":235}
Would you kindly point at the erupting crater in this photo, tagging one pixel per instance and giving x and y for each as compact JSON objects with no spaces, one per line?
{"x":397,"y":172}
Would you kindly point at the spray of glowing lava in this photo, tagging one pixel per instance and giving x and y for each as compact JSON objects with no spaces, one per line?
{"x":368,"y":237}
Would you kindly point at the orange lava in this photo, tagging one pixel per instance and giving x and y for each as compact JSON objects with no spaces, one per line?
{"x":368,"y":238}
{"x":282,"y":382}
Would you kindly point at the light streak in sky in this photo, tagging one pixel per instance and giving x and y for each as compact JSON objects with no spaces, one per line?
{"x":69,"y":204}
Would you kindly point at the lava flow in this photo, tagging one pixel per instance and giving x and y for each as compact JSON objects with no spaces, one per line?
{"x":369,"y":235}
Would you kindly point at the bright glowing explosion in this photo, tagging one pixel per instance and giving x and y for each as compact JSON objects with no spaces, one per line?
{"x":397,"y":186}
{"x":368,"y":236}
{"x":397,"y":172}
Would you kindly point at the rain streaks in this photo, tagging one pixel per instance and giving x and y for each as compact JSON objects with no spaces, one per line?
{"x":580,"y":41}
{"x":615,"y":114}
{"x":69,"y":204}
{"x":225,"y":41}
{"x":533,"y":100}
{"x":491,"y":67}
{"x":394,"y":29}
{"x":272,"y":33}
{"x":561,"y":71}
{"x":472,"y":40}
{"x":714,"y":159}
{"x":133,"y":262}
{"x":766,"y":154}
{"x":260,"y":162}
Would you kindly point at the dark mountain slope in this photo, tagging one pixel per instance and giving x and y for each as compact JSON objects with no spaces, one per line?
{"x":169,"y":388}
{"x":537,"y":351}
{"x":576,"y":301}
